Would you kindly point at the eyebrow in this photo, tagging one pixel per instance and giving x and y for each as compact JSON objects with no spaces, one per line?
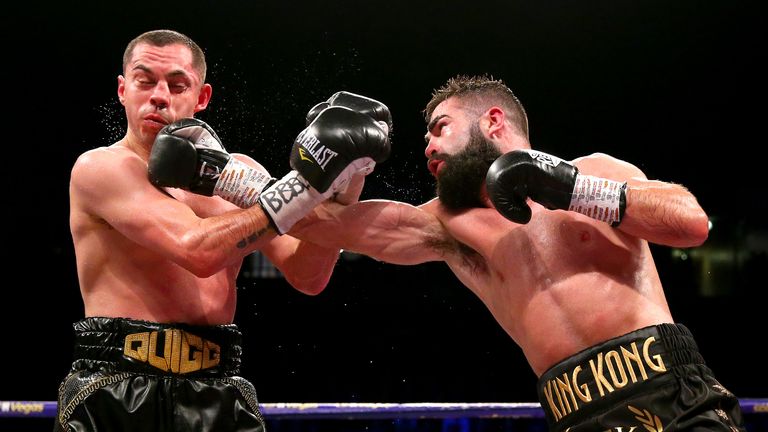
{"x":177,"y":72}
{"x":434,"y":121}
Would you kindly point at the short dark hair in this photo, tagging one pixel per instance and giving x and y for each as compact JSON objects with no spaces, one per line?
{"x":161,"y":38}
{"x":480,"y":92}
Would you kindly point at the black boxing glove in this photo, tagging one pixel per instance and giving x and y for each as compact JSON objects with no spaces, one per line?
{"x":364,"y":105}
{"x":187,"y":154}
{"x":553,"y":183}
{"x":338,"y":144}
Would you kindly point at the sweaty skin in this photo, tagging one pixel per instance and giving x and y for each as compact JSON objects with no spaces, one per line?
{"x":168,"y":256}
{"x":559,"y":284}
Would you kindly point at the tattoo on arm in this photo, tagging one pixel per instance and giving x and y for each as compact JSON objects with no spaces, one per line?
{"x":251,"y":238}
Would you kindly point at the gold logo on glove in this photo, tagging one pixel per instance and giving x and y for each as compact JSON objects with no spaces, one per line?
{"x":303,"y":156}
{"x":319,"y":152}
{"x":182,"y":353}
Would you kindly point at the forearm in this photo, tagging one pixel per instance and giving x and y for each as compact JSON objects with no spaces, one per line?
{"x":663,"y":213}
{"x":659,"y":212}
{"x":387,"y":231}
{"x":309,"y":267}
{"x":222,"y":240}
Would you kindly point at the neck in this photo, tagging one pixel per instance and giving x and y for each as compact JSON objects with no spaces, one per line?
{"x":484,"y":197}
{"x":132,"y":143}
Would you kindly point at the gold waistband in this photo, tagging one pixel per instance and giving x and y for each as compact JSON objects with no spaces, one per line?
{"x":172,"y":350}
{"x":614,"y":367}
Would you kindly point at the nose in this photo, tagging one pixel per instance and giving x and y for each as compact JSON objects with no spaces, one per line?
{"x":431,"y":145}
{"x":160,"y":95}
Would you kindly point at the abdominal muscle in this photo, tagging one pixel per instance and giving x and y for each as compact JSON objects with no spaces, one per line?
{"x":120,"y":279}
{"x":561,"y":320}
{"x":563,"y":283}
{"x":167,"y":296}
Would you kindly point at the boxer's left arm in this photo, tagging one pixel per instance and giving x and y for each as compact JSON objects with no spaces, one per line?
{"x":661,"y":212}
{"x":601,"y":187}
{"x":306,"y":266}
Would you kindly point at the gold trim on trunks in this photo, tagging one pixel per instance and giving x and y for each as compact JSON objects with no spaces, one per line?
{"x":617,"y":367}
{"x":182,"y":352}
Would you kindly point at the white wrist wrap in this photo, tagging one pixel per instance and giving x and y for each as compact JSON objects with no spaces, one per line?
{"x":288,"y":200}
{"x":598,"y":198}
{"x":241,"y":184}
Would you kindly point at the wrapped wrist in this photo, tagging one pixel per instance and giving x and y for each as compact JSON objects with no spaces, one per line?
{"x":288,"y":200}
{"x":241,"y":184}
{"x":599,"y":198}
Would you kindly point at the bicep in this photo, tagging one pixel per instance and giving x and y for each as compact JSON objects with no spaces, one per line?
{"x":606,"y":166}
{"x":306,"y":266}
{"x":120,"y":194}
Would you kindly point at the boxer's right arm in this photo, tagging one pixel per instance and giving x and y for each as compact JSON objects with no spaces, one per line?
{"x":362,"y":104}
{"x":374,"y":109}
{"x":187,"y":154}
{"x":336,"y":146}
{"x":388,"y":231}
{"x":111,"y":185}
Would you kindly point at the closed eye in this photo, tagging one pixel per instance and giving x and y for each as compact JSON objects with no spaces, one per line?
{"x":178,"y":88}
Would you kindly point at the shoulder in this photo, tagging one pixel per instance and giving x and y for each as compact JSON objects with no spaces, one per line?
{"x":431,"y":206}
{"x":105,"y":167}
{"x":605,"y":165}
{"x":104,"y":158}
{"x":100,"y":156}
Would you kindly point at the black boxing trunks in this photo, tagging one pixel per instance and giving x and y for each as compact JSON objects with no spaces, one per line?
{"x":651,"y":379}
{"x":131,"y":375}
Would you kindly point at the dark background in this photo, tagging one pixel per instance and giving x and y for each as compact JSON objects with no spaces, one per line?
{"x":677,"y":88}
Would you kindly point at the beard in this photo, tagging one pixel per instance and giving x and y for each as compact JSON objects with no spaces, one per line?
{"x":461,"y":179}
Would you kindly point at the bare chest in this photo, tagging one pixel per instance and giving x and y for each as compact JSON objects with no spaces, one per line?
{"x":554,"y":247}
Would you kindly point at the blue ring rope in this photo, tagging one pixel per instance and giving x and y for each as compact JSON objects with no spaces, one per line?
{"x":357,"y":411}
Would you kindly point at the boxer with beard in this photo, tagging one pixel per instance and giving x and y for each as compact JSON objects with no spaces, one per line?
{"x":559,"y":253}
{"x":460,"y":181}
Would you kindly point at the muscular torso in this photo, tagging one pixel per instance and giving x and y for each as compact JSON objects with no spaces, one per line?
{"x":559,"y":284}
{"x":121,"y":278}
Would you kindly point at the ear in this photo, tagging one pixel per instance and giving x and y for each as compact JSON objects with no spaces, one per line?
{"x":121,"y":89}
{"x":496,"y":117}
{"x":204,"y":97}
